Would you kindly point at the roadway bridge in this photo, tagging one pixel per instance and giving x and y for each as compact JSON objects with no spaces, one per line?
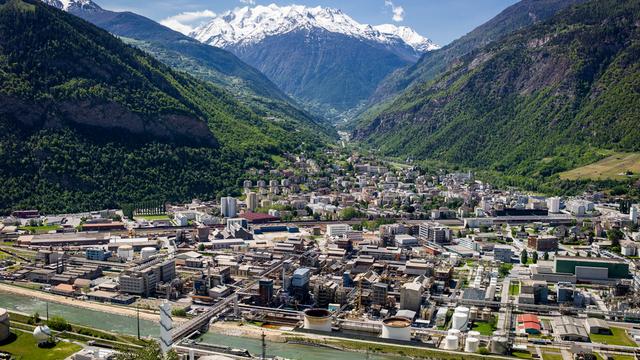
{"x":201,"y":320}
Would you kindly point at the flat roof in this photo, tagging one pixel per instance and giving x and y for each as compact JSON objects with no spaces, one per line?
{"x":590,"y":259}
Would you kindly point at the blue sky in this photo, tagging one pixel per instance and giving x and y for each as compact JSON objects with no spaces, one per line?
{"x":440,"y":20}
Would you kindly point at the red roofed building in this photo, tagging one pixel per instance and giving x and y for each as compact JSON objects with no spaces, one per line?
{"x":528,"y":324}
{"x":258,"y":218}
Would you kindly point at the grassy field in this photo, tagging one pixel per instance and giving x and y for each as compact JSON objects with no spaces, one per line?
{"x":613,"y":167}
{"x":485,"y":327}
{"x":618,"y":337}
{"x":551,"y":356}
{"x":39,"y":229}
{"x":514,"y":289}
{"x":23,"y":347}
{"x":153,"y":217}
{"x":522,"y":354}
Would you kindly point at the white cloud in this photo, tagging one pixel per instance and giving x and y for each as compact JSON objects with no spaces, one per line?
{"x":187,"y":21}
{"x":248,"y":2}
{"x":398,"y":11}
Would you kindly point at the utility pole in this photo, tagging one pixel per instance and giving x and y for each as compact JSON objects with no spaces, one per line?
{"x":47,"y":310}
{"x":138,"y":318}
{"x":264,"y":346}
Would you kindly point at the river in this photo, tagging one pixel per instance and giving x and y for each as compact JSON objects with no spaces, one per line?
{"x":126,"y":325}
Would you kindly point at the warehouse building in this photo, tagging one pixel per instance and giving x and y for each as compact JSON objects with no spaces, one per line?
{"x":591,"y":268}
{"x":568,"y":328}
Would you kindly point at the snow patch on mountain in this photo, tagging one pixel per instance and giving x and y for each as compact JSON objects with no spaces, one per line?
{"x":67,"y":5}
{"x":250,"y":25}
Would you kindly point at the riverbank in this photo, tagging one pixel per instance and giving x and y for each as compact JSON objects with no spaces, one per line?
{"x":110,"y":309}
{"x":343,"y":344}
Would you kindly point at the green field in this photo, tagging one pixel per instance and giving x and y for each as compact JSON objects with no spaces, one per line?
{"x":618,"y":337}
{"x":23,"y":347}
{"x":485,"y":327}
{"x":613,"y":167}
{"x":39,"y":229}
{"x":514,"y":288}
{"x":522,"y":354}
{"x":551,"y":356}
{"x":153,"y":217}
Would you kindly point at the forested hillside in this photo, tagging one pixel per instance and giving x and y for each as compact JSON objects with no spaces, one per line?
{"x":533,"y":104}
{"x":87,"y":121}
{"x":204,"y":62}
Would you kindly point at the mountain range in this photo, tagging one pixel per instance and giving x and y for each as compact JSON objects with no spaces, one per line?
{"x":318,"y":55}
{"x":209,"y":63}
{"x":532,"y":103}
{"x":518,"y":16}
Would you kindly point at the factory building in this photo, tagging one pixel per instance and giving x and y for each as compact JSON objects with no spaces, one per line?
{"x":142,"y":280}
{"x":411,"y":296}
{"x":591,"y":268}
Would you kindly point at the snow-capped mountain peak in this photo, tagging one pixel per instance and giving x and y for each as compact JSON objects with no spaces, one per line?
{"x":68,"y":5}
{"x":408,"y":35}
{"x":250,"y":25}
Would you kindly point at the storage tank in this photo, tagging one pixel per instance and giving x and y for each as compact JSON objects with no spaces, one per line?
{"x":462,"y":309}
{"x":486,"y":314}
{"x":125,"y":252}
{"x":397,"y":328}
{"x":473,"y":333}
{"x":42,"y":334}
{"x":148,"y":252}
{"x":471,"y":345}
{"x":317,"y":319}
{"x":4,"y":325}
{"x":473,"y":313}
{"x":459,"y":321}
{"x":499,"y":343}
{"x":451,"y":342}
{"x":454,"y":332}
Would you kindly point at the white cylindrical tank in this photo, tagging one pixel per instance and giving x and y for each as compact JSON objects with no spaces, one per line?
{"x":4,"y":325}
{"x":473,"y":333}
{"x":148,"y":252}
{"x":42,"y":333}
{"x":499,"y":343}
{"x":472,"y":345}
{"x":459,"y":321}
{"x":451,"y":342}
{"x":397,"y":328}
{"x":486,"y":314}
{"x":454,"y":332}
{"x":473,"y":313}
{"x":125,"y":252}
{"x":462,"y":309}
{"x":317,"y":319}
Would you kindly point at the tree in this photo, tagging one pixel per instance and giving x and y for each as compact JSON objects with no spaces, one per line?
{"x":535,"y":257}
{"x":34,"y":319}
{"x":58,"y":323}
{"x":349,"y":213}
{"x":524,"y":257}
{"x":150,"y":352}
{"x":505,"y":269}
{"x":545,"y":257}
{"x":179,"y":312}
{"x":615,"y":235}
{"x":201,"y":247}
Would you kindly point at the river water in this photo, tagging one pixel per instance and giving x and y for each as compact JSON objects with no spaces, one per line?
{"x":127,"y":325}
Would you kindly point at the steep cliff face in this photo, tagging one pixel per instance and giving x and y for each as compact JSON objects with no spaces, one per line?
{"x":432,"y":64}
